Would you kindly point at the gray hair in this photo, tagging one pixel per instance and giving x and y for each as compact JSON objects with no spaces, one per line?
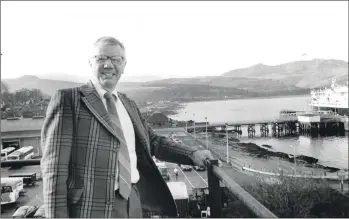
{"x":108,"y":40}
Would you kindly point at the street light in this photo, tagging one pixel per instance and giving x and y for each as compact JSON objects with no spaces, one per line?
{"x":226,"y":131}
{"x":294,"y":156}
{"x":186,"y":122}
{"x":194,"y":125}
{"x":206,"y":134}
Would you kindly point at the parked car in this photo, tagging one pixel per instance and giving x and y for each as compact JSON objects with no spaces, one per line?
{"x":25,"y":212}
{"x":197,"y":168}
{"x":163,"y":170}
{"x":186,"y":167}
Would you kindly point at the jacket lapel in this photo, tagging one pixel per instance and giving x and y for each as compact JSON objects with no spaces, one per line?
{"x":94,"y":103}
{"x":132,"y":111}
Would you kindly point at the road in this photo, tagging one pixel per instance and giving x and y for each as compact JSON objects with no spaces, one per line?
{"x":32,"y":195}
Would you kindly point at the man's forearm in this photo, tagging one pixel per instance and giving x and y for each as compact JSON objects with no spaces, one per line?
{"x":168,"y":150}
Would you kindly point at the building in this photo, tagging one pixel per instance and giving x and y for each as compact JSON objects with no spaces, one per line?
{"x":21,"y":132}
{"x":157,"y":120}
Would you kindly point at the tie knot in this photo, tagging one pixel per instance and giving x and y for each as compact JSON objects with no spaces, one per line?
{"x":108,"y":95}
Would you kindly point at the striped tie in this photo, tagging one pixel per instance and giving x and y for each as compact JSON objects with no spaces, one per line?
{"x":123,"y":155}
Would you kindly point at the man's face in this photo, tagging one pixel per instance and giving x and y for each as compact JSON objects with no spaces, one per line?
{"x":106,"y":72}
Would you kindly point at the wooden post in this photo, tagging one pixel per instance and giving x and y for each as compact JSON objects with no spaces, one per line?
{"x":215,"y":193}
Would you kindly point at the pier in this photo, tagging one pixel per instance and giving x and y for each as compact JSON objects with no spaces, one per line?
{"x":291,"y":124}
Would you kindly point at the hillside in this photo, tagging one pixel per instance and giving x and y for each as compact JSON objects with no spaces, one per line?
{"x":305,"y":74}
{"x":292,"y":78}
{"x":251,"y":84}
{"x":49,"y":86}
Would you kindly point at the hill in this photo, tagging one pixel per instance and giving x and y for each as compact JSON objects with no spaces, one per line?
{"x":256,"y":81}
{"x":49,"y":86}
{"x":304,"y":74}
{"x":251,"y":84}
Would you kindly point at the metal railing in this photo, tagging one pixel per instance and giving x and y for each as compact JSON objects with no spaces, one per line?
{"x":215,"y":176}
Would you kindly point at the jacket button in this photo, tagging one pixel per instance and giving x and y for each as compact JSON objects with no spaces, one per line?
{"x":108,"y":202}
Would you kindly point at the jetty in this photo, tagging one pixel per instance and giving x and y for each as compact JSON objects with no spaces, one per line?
{"x":287,"y":123}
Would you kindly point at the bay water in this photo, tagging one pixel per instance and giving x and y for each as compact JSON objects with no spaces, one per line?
{"x":331,"y":151}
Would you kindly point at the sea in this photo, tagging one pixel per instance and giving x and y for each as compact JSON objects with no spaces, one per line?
{"x":330,"y":151}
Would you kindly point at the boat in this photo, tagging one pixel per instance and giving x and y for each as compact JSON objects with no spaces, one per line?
{"x":334,"y":98}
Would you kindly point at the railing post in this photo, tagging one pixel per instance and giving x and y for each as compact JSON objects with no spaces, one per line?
{"x":215,"y":194}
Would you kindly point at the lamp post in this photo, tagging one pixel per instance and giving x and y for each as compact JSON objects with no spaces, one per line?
{"x":194,"y":125}
{"x":186,"y":122}
{"x":294,"y":157}
{"x":226,"y":131}
{"x":206,"y":134}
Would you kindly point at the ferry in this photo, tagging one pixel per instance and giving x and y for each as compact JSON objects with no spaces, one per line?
{"x":334,"y":98}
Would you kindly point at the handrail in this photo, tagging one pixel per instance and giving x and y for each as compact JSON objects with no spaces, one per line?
{"x":30,"y":162}
{"x":215,"y":175}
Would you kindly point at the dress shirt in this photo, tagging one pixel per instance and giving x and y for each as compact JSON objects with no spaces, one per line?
{"x":128,"y":130}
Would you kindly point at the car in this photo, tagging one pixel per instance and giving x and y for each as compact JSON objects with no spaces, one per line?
{"x":186,"y":167}
{"x":163,"y":170}
{"x":197,"y":168}
{"x":25,"y":212}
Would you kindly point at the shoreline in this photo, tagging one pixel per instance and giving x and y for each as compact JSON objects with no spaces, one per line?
{"x":253,"y":156}
{"x":247,"y":98}
{"x":180,"y":105}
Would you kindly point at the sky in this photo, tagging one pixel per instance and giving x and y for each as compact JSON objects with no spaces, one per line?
{"x":169,"y":39}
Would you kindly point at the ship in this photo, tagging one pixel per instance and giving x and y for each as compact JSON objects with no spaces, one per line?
{"x":333,"y":98}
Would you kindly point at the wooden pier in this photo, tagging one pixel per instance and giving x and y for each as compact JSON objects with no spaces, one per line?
{"x":288,"y":125}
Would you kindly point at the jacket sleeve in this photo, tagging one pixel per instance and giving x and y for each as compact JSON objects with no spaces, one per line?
{"x":56,"y":143}
{"x":167,"y":150}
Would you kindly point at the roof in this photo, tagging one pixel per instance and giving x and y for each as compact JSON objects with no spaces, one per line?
{"x":157,"y":117}
{"x":22,"y":134}
{"x":178,"y":190}
{"x":22,"y":124}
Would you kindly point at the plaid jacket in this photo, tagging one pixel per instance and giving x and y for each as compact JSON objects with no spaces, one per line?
{"x":80,"y":157}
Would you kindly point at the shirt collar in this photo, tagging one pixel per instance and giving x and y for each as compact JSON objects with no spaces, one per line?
{"x":100,"y":90}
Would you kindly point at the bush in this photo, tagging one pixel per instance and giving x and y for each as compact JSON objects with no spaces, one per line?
{"x":298,"y":197}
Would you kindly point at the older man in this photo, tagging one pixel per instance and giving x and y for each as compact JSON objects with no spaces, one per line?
{"x":97,"y":148}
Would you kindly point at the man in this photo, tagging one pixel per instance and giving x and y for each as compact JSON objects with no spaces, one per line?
{"x":176,"y":173}
{"x":97,"y":149}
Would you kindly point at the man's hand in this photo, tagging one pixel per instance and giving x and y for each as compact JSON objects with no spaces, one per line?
{"x":200,"y":156}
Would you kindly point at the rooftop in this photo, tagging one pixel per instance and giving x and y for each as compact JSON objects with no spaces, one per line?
{"x":22,"y":124}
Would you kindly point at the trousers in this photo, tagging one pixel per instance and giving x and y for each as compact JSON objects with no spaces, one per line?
{"x":130,"y":208}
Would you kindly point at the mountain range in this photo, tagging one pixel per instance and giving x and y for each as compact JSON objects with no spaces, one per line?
{"x":254,"y":81}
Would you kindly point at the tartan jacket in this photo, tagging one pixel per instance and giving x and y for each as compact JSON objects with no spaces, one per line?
{"x":80,"y":157}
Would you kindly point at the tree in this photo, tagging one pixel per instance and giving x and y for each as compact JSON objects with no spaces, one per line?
{"x":5,"y":92}
{"x":4,"y":88}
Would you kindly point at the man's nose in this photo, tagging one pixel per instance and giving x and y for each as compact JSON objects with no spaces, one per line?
{"x":108,"y":64}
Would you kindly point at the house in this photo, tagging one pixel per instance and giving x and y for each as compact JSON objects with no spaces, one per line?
{"x":21,"y":132}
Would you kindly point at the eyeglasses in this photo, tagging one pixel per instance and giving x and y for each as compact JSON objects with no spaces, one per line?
{"x":116,"y":60}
